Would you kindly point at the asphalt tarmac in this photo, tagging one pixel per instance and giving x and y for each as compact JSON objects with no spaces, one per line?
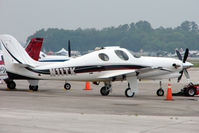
{"x":53,"y":109}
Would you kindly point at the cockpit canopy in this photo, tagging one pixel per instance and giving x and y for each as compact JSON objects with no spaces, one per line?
{"x":121,"y":54}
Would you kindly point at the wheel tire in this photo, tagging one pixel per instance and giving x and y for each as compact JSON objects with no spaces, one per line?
{"x":190,"y":92}
{"x":33,"y":88}
{"x":11,"y":85}
{"x":129,"y":93}
{"x":104,"y":91}
{"x":67,"y":86}
{"x":160,"y":92}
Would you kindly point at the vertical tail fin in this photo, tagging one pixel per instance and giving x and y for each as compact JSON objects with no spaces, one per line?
{"x":14,"y":53}
{"x":34,"y":47}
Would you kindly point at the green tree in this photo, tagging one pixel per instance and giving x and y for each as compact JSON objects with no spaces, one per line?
{"x":134,"y":36}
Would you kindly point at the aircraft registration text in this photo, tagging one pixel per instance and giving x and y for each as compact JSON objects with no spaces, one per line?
{"x":62,"y":71}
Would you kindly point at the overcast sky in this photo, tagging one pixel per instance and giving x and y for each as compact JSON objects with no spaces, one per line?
{"x":22,"y":18}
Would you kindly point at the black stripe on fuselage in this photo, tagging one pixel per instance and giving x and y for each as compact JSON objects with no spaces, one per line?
{"x":11,"y":53}
{"x":54,"y":60}
{"x":86,"y":69}
{"x":105,"y":68}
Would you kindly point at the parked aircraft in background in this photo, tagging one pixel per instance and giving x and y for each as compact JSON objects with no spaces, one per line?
{"x":52,"y":58}
{"x":34,"y":51}
{"x":105,"y":65}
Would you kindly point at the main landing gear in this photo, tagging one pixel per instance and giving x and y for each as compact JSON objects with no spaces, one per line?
{"x":105,"y":90}
{"x":129,"y":92}
{"x":160,"y":91}
{"x":132,"y":87}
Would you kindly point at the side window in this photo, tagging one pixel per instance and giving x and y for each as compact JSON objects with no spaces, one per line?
{"x":103,"y":57}
{"x":121,"y":54}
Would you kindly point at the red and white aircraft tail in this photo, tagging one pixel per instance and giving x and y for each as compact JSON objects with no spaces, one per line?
{"x":34,"y":47}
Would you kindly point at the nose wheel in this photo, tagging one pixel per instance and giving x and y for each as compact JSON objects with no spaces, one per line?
{"x":160,"y":92}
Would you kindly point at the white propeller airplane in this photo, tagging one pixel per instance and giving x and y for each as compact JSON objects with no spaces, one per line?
{"x":104,"y":65}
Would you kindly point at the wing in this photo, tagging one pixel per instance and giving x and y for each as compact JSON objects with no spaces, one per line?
{"x":130,"y":73}
{"x":118,"y":73}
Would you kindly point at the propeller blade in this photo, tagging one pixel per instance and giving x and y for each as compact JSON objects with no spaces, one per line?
{"x":186,"y":73}
{"x":186,"y":55}
{"x":179,"y":78}
{"x":69,"y":49}
{"x":179,"y":55}
{"x":184,"y":70}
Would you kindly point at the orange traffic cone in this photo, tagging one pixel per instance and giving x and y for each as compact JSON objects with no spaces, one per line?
{"x":169,"y":92}
{"x":87,"y":86}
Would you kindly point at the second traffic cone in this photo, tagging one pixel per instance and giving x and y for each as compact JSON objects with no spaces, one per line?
{"x":87,"y":86}
{"x":169,"y":92}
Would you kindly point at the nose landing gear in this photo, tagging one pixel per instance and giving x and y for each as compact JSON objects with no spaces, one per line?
{"x":160,"y":91}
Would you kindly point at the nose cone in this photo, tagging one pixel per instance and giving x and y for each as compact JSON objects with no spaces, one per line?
{"x":187,"y":65}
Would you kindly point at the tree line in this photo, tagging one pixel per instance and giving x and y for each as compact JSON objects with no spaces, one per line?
{"x":134,"y":36}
